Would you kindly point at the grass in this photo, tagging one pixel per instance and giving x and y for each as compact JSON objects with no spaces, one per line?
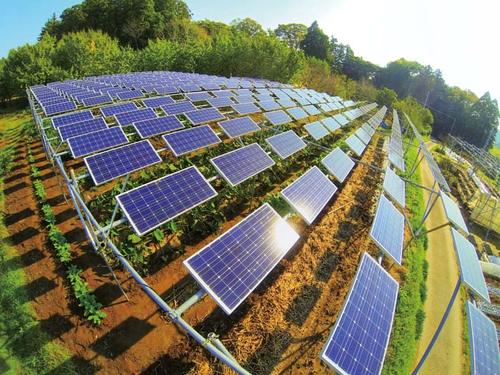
{"x":409,"y":318}
{"x":495,"y":151}
{"x":24,"y":346}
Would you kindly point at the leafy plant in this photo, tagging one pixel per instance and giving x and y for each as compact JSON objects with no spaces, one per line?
{"x":39,"y":190}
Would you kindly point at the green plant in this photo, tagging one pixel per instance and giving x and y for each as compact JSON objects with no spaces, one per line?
{"x":39,"y":190}
{"x":35,"y":172}
{"x":48,"y":214}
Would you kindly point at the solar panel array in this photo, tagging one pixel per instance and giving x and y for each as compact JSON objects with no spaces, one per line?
{"x":277,"y":117}
{"x":82,"y":127}
{"x":355,"y":145}
{"x":396,"y":144}
{"x":234,"y":264}
{"x":395,"y":187}
{"x":238,"y":126}
{"x":89,"y":143}
{"x":309,"y":194}
{"x":330,"y":124}
{"x":204,"y":115}
{"x":70,"y":118}
{"x":359,"y":339}
{"x":316,"y":130}
{"x":128,"y":118}
{"x":192,"y":139}
{"x":286,"y":144}
{"x":158,"y":125}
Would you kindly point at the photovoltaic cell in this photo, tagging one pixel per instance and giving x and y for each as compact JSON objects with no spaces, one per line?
{"x":485,"y":357}
{"x":54,"y":109}
{"x":297,"y":113}
{"x":241,"y":164}
{"x":311,"y":110}
{"x":89,"y":143}
{"x":330,"y":124}
{"x":395,"y":187}
{"x":82,"y":127}
{"x":338,"y":164}
{"x":199,"y":96}
{"x":355,"y":145}
{"x":158,"y":101}
{"x":286,"y":144}
{"x":388,"y":229}
{"x":363,"y":136}
{"x":277,"y":117}
{"x":97,"y":100}
{"x":112,"y":110}
{"x":316,"y":130}
{"x":204,"y":115}
{"x":128,"y":118}
{"x":268,"y":105}
{"x":220,"y":102}
{"x":156,"y":126}
{"x":129,"y":94}
{"x":246,"y":108}
{"x":192,"y":139}
{"x":234,"y":264}
{"x":63,"y":120}
{"x":286,"y":103}
{"x":397,"y":161}
{"x":453,"y":212}
{"x":471,"y":273}
{"x":340,"y":119}
{"x":238,"y":126}
{"x":178,"y":107}
{"x":108,"y":165}
{"x":153,"y":204}
{"x":309,"y":194}
{"x":359,"y":339}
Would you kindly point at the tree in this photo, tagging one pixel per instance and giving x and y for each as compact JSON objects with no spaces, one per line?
{"x":341,"y":53}
{"x":482,"y":122}
{"x":316,"y":43}
{"x":386,"y":97}
{"x":247,"y":26}
{"x":291,"y":33}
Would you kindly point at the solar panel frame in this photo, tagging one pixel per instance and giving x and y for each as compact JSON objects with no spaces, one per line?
{"x":275,"y":225}
{"x":286,"y":144}
{"x":368,"y":266}
{"x":178,"y":107}
{"x":99,"y":140}
{"x":395,"y":186}
{"x":178,"y":141}
{"x":387,"y":230}
{"x":331,"y":163}
{"x":97,"y":100}
{"x":238,"y":127}
{"x":158,"y":101}
{"x":114,"y":109}
{"x":309,"y":194}
{"x":452,"y":212}
{"x":224,"y":169}
{"x":134,"y":222}
{"x":330,"y":124}
{"x":156,"y":126}
{"x":297,"y":113}
{"x":471,"y":273}
{"x":128,"y":118}
{"x":397,"y":161}
{"x":311,"y":110}
{"x":363,"y":136}
{"x":268,"y":105}
{"x":220,"y":102}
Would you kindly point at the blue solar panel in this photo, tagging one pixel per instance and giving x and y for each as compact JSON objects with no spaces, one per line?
{"x":286,"y":144}
{"x":355,"y":144}
{"x":238,"y":126}
{"x":165,"y":90}
{"x":234,"y":264}
{"x":220,"y":102}
{"x":286,"y":103}
{"x":338,"y":164}
{"x":245,"y":99}
{"x":311,"y":110}
{"x":156,"y":126}
{"x":453,"y":212}
{"x":268,"y":105}
{"x":359,"y":339}
{"x":485,"y":357}
{"x":71,"y":118}
{"x":277,"y":117}
{"x":363,"y":136}
{"x":297,"y":113}
{"x":129,"y":94}
{"x":241,"y":164}
{"x":246,"y":108}
{"x":309,"y":194}
{"x":120,"y":161}
{"x":128,"y":118}
{"x":178,"y":107}
{"x":204,"y":115}
{"x":199,"y":96}
{"x":397,"y":160}
{"x":471,"y":273}
{"x":223,"y":93}
{"x":330,"y":124}
{"x":388,"y":229}
{"x":158,"y":101}
{"x":210,"y":86}
{"x":112,"y":110}
{"x":189,"y":88}
{"x":185,"y":141}
{"x":97,"y":100}
{"x":153,"y":204}
{"x":395,"y":187}
{"x":89,"y":143}
{"x":341,"y":119}
{"x":82,"y":127}
{"x":316,"y":130}
{"x":54,"y":109}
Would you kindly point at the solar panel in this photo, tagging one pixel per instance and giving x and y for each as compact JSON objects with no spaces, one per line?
{"x":153,"y":204}
{"x":395,"y":187}
{"x":129,"y":94}
{"x":108,"y":165}
{"x":234,"y":264}
{"x":297,"y":113}
{"x":316,"y":130}
{"x":97,"y":100}
{"x":112,"y":110}
{"x":340,"y":119}
{"x":388,"y":229}
{"x":204,"y":115}
{"x":361,"y":134}
{"x":189,"y":87}
{"x":286,"y":103}
{"x":238,"y":126}
{"x":309,"y":194}
{"x":471,"y":273}
{"x":355,"y":145}
{"x":89,"y":143}
{"x":311,"y":110}
{"x":244,"y":99}
{"x":359,"y":339}
{"x":192,"y":139}
{"x":220,"y":102}
{"x":223,"y":93}
{"x":485,"y":357}
{"x":368,"y":129}
{"x":453,"y":212}
{"x":128,"y":118}
{"x":156,"y":126}
{"x":239,"y":165}
{"x":82,"y":127}
{"x":277,"y":117}
{"x":397,"y":161}
{"x":198,"y":96}
{"x":338,"y":164}
{"x":268,"y":105}
{"x":286,"y":144}
{"x":63,"y":120}
{"x":330,"y":124}
{"x":54,"y":109}
{"x":158,"y":101}
{"x":246,"y":108}
{"x":178,"y":107}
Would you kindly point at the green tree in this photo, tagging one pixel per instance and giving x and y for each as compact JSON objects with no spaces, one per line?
{"x":247,"y":26}
{"x":482,"y":122}
{"x":291,"y":33}
{"x":386,"y":97}
{"x":316,"y":43}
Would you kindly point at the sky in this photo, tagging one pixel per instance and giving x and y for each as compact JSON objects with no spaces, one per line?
{"x":459,"y":37}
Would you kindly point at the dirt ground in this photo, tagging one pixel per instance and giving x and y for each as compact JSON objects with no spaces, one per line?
{"x":447,"y":355}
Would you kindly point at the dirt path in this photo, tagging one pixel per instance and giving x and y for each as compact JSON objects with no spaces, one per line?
{"x":447,"y":354}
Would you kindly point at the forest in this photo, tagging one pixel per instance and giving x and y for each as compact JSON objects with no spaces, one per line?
{"x":113,"y":36}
